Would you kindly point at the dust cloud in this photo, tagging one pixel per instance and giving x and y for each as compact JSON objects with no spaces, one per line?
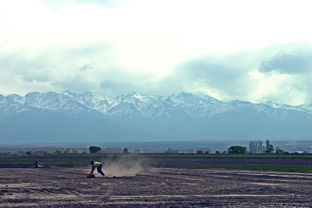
{"x":124,"y":166}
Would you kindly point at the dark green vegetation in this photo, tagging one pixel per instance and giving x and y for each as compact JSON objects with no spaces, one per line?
{"x":289,"y":163}
{"x":290,"y":156}
{"x":229,"y":167}
{"x":94,"y":149}
{"x":237,"y":150}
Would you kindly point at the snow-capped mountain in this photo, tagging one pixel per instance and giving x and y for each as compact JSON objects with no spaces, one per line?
{"x":137,"y":116}
{"x":135,"y":104}
{"x":98,"y":103}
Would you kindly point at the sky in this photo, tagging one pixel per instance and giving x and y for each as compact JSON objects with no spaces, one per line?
{"x":253,"y":50}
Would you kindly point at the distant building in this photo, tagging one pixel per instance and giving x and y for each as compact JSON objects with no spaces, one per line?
{"x":186,"y":151}
{"x":256,"y":147}
{"x":172,"y":151}
{"x":203,"y":151}
{"x":137,"y":151}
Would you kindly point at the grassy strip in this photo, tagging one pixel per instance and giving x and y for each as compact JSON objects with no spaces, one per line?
{"x":65,"y":163}
{"x":256,"y":168}
{"x":160,"y":155}
{"x":61,"y":155}
{"x":230,"y":167}
{"x":226,"y":156}
{"x":30,"y":162}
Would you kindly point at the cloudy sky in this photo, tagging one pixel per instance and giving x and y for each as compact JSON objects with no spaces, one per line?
{"x":244,"y":49}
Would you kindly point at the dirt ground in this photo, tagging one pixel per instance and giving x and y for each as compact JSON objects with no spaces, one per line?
{"x":153,"y":187}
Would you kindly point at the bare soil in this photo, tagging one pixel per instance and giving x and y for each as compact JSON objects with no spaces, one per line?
{"x":153,"y":187}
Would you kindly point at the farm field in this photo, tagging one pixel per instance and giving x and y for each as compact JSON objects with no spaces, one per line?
{"x":153,"y":187}
{"x":145,"y":182}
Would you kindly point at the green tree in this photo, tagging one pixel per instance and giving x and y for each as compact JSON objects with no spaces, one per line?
{"x":237,"y":150}
{"x":95,"y":149}
{"x":270,"y":149}
{"x":125,"y":151}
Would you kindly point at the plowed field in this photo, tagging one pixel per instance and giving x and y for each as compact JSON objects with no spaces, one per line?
{"x":153,"y":187}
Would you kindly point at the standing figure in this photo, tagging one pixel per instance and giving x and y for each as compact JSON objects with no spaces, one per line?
{"x":98,"y":166}
{"x":36,"y":164}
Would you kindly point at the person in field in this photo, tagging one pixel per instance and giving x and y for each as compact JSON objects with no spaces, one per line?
{"x":98,"y":166}
{"x":36,"y":164}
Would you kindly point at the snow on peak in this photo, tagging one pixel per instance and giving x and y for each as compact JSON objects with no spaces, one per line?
{"x":137,"y":104}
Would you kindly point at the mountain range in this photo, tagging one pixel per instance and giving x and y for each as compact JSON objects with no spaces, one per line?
{"x":52,"y":117}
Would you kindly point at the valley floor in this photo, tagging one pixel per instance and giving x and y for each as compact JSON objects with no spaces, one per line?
{"x":153,"y":187}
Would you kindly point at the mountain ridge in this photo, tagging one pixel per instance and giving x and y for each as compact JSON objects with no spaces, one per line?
{"x":95,"y":102}
{"x":181,"y":116}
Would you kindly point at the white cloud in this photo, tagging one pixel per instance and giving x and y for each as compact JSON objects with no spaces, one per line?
{"x":281,"y":88}
{"x":238,"y":76}
{"x":142,"y":44}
